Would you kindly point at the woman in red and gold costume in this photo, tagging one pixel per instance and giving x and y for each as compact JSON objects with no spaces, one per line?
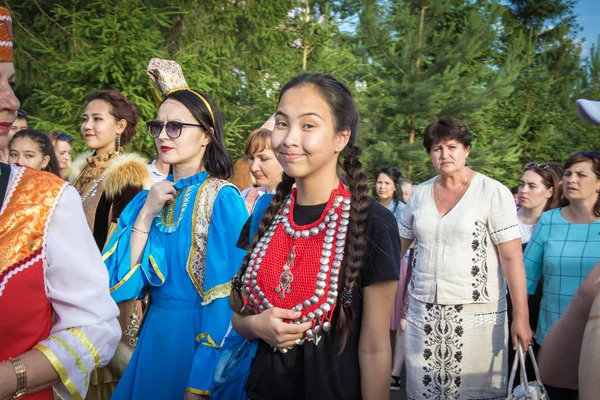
{"x":58,"y":319}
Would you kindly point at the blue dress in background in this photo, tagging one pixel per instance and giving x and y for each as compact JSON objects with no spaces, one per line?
{"x":189,"y":286}
{"x":563,"y":253}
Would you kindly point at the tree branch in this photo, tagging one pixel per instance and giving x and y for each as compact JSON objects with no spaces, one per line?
{"x":399,"y":68}
{"x":49,"y":17}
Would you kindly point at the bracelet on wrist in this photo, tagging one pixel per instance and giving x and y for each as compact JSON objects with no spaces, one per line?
{"x":140,"y":231}
{"x":21,"y":377}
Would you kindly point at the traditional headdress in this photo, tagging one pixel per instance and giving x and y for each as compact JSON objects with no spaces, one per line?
{"x":167,"y":76}
{"x":6,"y":36}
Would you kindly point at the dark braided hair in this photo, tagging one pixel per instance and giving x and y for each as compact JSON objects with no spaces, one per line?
{"x":343,"y":108}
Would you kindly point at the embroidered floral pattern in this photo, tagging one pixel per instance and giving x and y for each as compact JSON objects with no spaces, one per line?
{"x":25,"y":218}
{"x":479,"y":270}
{"x":443,"y":351}
{"x":414,"y":267}
{"x":203,"y":209}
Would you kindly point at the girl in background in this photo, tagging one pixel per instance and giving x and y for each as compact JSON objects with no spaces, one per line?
{"x":388,"y":191}
{"x":63,"y":149}
{"x":33,"y":149}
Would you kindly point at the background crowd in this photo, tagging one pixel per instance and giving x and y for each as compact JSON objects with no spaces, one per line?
{"x":407,"y":62}
{"x":448,"y":270}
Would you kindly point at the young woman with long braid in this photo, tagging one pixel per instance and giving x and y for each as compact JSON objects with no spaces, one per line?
{"x":317,"y":284}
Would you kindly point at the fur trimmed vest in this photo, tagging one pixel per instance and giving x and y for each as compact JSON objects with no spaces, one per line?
{"x":124,"y":177}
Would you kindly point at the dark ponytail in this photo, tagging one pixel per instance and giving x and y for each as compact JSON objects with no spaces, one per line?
{"x":44,"y":144}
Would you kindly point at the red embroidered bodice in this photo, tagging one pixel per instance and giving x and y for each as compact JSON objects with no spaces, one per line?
{"x":298,"y":267}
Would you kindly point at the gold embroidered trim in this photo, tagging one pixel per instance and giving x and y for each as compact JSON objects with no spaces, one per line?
{"x":196,"y":262}
{"x":126,"y":278}
{"x":205,"y":201}
{"x":156,"y":269}
{"x":75,"y":356}
{"x":110,"y":252}
{"x":62,"y":372}
{"x":169,"y":210}
{"x":88,"y":345}
{"x":28,"y":210}
{"x":209,"y":341}
{"x":217,"y":292}
{"x":196,"y":391}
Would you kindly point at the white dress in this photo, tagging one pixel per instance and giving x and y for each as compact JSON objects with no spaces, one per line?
{"x":457,"y":334}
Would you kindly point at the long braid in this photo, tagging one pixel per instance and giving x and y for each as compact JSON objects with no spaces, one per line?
{"x":236,"y":298}
{"x":356,"y":242}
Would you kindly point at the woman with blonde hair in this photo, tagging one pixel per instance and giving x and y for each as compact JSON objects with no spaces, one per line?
{"x":263,"y":164}
{"x":565,"y":246}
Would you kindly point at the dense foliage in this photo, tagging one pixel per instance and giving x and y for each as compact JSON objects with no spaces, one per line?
{"x":511,"y":71}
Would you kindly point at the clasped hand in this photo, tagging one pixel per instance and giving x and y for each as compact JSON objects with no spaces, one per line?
{"x":270,"y":327}
{"x":159,"y":194}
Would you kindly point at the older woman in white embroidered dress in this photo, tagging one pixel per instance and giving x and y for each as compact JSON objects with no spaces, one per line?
{"x":464,"y":226}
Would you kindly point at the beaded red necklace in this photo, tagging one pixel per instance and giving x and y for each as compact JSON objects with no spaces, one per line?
{"x":298,"y":267}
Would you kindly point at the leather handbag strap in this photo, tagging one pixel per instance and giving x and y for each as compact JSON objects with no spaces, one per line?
{"x":4,"y":176}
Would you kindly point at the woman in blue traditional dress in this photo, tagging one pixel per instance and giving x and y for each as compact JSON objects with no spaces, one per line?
{"x":178,"y":240}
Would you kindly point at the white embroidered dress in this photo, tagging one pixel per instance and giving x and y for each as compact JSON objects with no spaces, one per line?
{"x":457,"y":333}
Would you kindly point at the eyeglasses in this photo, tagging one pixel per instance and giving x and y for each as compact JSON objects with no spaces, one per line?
{"x":62,"y":136}
{"x":173,"y":128}
{"x":21,"y":114}
{"x":536,"y":165}
{"x":586,"y":153}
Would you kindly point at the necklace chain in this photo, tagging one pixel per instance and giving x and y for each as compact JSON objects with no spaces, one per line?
{"x":92,"y":191}
{"x":440,"y":190}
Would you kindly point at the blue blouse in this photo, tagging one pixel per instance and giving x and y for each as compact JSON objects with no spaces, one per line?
{"x":563,"y":253}
{"x":189,"y":309}
{"x":396,"y":208}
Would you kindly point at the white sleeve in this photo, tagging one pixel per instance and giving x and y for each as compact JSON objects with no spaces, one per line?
{"x":86,"y":331}
{"x":502,"y":220}
{"x":405,"y":222}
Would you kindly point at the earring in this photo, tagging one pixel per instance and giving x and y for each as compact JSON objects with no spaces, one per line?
{"x":118,"y":145}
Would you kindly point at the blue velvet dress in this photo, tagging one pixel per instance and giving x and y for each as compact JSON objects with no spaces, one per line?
{"x":189,"y":287}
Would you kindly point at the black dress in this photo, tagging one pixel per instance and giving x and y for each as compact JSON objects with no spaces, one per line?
{"x":317,"y":371}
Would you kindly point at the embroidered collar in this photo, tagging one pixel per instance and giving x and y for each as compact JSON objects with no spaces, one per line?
{"x":189,"y":181}
{"x":101,"y":161}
